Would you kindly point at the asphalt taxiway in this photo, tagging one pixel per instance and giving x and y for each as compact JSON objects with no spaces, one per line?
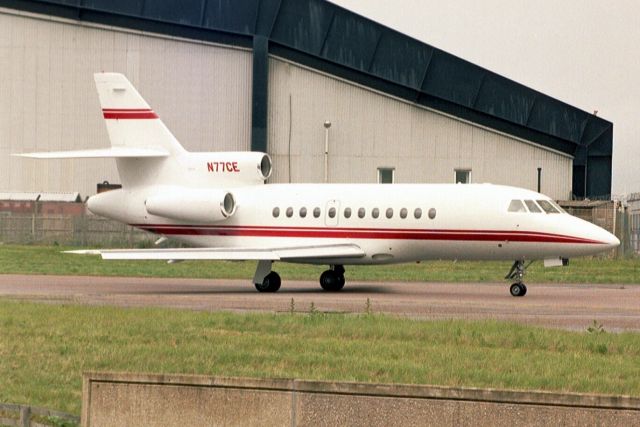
{"x":575,"y":306}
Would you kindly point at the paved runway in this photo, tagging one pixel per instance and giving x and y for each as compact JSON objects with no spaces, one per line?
{"x":616,"y":307}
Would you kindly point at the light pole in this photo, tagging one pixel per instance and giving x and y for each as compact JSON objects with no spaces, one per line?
{"x":327,"y":125}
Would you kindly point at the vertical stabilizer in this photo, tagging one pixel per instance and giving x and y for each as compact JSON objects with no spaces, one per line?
{"x":132,"y":124}
{"x":130,"y":121}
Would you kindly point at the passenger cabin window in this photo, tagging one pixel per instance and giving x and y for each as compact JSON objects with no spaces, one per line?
{"x":403,"y":213}
{"x":531,"y":205}
{"x":463,"y":176}
{"x":547,"y":207}
{"x":389,"y":213}
{"x":347,"y":213}
{"x":276,"y":212}
{"x":432,"y":213}
{"x":517,"y":206}
{"x":303,"y":212}
{"x":316,"y":212}
{"x":362,"y":212}
{"x":375,"y":212}
{"x":289,"y":212}
{"x":385,"y":175}
{"x":417,"y":213}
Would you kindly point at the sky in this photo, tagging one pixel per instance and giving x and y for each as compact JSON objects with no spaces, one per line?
{"x":583,"y":52}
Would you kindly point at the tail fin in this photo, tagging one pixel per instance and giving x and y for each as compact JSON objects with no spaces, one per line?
{"x":146,"y":152}
{"x":131,"y":123}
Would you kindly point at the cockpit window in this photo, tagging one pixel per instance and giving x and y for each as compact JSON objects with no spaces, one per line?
{"x":547,"y":206}
{"x":531,"y":205}
{"x":557,"y":206}
{"x":516,"y":206}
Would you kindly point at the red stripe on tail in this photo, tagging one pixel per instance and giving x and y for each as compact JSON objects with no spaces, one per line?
{"x":129,"y":113}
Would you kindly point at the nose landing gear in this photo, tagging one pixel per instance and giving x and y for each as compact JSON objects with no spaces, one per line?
{"x":518,"y":290}
{"x":517,"y":271}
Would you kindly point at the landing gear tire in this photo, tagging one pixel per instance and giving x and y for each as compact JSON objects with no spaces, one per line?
{"x":332,"y":281}
{"x":271,"y":283}
{"x":518,"y":290}
{"x":517,"y":271}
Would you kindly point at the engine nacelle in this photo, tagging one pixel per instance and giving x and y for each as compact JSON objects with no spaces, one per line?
{"x":201,"y":205}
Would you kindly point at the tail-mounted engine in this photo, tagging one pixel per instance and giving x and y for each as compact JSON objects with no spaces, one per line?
{"x":200,"y":205}
{"x":233,"y":168}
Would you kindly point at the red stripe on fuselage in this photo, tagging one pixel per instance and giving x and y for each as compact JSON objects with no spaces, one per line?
{"x":364,"y":233}
{"x":128,"y":113}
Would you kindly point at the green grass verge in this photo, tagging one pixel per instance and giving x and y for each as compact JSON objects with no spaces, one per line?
{"x":50,"y":260}
{"x":45,"y":348}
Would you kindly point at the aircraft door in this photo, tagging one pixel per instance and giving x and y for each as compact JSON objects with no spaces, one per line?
{"x":332,"y":213}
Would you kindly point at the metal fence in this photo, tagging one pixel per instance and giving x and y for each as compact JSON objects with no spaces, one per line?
{"x":85,"y":230}
{"x":31,"y":416}
{"x":634,"y":233}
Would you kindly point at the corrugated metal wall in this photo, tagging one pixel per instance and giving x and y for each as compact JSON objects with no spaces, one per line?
{"x":371,"y":130}
{"x":48,"y":99}
{"x":203,"y":93}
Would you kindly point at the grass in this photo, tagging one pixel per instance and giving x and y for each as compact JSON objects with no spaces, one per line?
{"x":50,"y":260}
{"x":45,"y":348}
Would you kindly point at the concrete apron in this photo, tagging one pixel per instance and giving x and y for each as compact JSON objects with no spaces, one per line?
{"x":166,"y":400}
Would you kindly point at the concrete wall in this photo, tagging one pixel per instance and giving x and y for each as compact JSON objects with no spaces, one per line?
{"x":371,"y":130}
{"x":167,"y":400}
{"x":48,"y":99}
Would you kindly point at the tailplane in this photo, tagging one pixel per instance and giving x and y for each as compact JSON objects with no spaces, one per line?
{"x":144,"y":149}
{"x":147,"y":154}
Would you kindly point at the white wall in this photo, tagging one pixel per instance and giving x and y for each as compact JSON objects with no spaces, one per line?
{"x":370,"y":130}
{"x":203,"y":94}
{"x":48,"y":99}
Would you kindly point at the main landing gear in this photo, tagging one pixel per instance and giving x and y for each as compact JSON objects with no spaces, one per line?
{"x":517,"y":271}
{"x":332,"y":280}
{"x":270,"y":283}
{"x":265,"y":280}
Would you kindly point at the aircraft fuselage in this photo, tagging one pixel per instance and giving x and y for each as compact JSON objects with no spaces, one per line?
{"x":391,"y":223}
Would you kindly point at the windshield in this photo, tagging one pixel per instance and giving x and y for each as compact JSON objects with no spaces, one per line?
{"x":547,"y":206}
{"x":517,"y":206}
{"x":532,"y":206}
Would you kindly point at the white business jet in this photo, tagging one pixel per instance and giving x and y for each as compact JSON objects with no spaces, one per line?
{"x":218,"y":202}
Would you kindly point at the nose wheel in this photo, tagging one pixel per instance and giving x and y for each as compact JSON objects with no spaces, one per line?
{"x":517,"y":271}
{"x":518,"y":290}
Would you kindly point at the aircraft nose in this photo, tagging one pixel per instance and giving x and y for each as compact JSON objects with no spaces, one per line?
{"x":612,"y":241}
{"x":609,"y":239}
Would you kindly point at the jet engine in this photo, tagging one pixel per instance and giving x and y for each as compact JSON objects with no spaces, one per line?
{"x":233,"y":168}
{"x":200,"y":205}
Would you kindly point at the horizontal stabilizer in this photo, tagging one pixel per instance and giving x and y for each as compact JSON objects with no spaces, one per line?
{"x":231,"y":254}
{"x":113,"y":152}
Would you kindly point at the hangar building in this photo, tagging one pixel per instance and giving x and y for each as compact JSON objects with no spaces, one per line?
{"x":266,"y":75}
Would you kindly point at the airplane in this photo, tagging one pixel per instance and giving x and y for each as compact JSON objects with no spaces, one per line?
{"x":218,"y":202}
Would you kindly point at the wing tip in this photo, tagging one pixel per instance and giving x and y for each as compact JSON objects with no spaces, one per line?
{"x":84,"y":252}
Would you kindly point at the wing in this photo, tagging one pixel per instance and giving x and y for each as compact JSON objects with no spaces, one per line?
{"x":346,"y":250}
